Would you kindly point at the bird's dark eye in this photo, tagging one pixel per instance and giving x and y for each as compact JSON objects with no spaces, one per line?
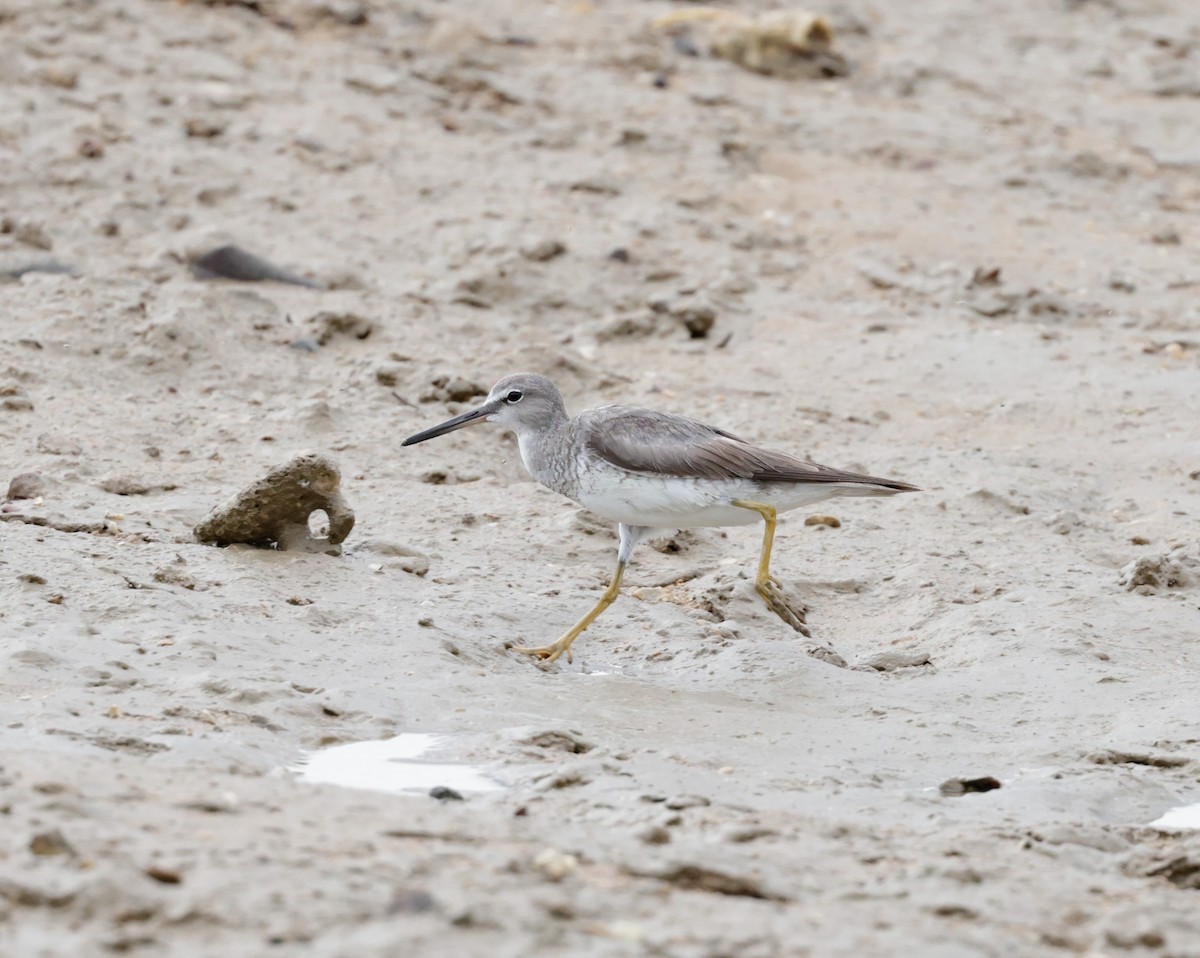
{"x":514,"y":395}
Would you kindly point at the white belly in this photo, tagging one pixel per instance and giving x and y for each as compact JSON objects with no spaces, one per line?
{"x":671,"y":503}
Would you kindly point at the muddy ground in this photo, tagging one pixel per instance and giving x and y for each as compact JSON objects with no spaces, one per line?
{"x":969,"y":263}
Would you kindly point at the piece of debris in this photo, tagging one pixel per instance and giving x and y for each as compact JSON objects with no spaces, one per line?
{"x":444,"y":794}
{"x":832,"y":521}
{"x":953,"y":787}
{"x":233,"y":262}
{"x":274,"y":511}
{"x":783,"y":43}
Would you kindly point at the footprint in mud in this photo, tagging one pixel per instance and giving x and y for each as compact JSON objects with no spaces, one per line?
{"x":718,"y":594}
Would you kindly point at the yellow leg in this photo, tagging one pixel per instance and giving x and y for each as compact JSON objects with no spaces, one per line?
{"x":555,"y":649}
{"x":765,"y":585}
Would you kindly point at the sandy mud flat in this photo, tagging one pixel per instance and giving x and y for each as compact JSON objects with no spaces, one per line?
{"x":960,"y":251}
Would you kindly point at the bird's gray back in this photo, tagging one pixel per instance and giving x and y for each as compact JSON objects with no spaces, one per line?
{"x":652,"y":443}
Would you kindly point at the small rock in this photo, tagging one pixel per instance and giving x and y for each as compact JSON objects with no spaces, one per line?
{"x":891,"y":661}
{"x":61,"y":77}
{"x":28,"y":485}
{"x":655,"y":835}
{"x":452,"y":389}
{"x":680,"y":802}
{"x":388,"y":374}
{"x":697,"y":319}
{"x":13,"y":399}
{"x":783,"y":43}
{"x":125,"y":485}
{"x":373,"y":79}
{"x":961,"y":786}
{"x":559,"y":741}
{"x":31,"y":234}
{"x":168,"y":575}
{"x":544,"y":250}
{"x":993,"y":304}
{"x":444,"y":794}
{"x":232,"y":262}
{"x":411,"y":901}
{"x":56,"y":445}
{"x":50,"y":843}
{"x":205,"y":127}
{"x":554,"y":864}
{"x":167,"y":876}
{"x":832,"y":521}
{"x":1174,"y":570}
{"x":331,"y":324}
{"x":600,"y":185}
{"x":274,"y":511}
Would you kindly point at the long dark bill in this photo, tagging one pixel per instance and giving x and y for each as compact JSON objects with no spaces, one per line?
{"x":458,"y":422}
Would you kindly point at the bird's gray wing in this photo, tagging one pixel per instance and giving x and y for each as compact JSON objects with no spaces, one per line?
{"x":660,"y":444}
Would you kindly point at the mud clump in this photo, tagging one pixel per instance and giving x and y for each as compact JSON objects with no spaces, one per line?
{"x":274,"y":511}
{"x":1172,"y":571}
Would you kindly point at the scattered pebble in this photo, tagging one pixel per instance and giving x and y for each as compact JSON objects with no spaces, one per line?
{"x":962,"y":786}
{"x":13,"y":399}
{"x":544,"y":250}
{"x":891,"y":661}
{"x":411,"y":901}
{"x":832,"y":521}
{"x":452,"y":389}
{"x":205,"y":127}
{"x":167,"y":876}
{"x":329,"y":325}
{"x":126,"y":485}
{"x":444,"y":794}
{"x":50,"y":843}
{"x":554,"y":864}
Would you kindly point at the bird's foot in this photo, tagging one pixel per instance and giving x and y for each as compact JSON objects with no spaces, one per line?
{"x":548,"y":653}
{"x":791,"y":611}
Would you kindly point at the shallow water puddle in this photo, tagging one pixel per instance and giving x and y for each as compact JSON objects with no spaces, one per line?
{"x":391,"y":765}
{"x":1185,"y":816}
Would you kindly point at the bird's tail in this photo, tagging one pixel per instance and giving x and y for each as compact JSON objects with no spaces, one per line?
{"x":872,"y":486}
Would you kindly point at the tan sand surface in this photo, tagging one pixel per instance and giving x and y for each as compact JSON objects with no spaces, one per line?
{"x":969,"y":264}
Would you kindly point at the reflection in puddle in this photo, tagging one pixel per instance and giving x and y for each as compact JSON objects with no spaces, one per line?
{"x":1185,"y":816}
{"x":392,"y":765}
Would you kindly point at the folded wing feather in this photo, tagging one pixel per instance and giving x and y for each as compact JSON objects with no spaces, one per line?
{"x":655,"y":443}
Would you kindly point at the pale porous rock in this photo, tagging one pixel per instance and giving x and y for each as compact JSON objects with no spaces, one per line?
{"x":274,"y":511}
{"x":1172,"y":571}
